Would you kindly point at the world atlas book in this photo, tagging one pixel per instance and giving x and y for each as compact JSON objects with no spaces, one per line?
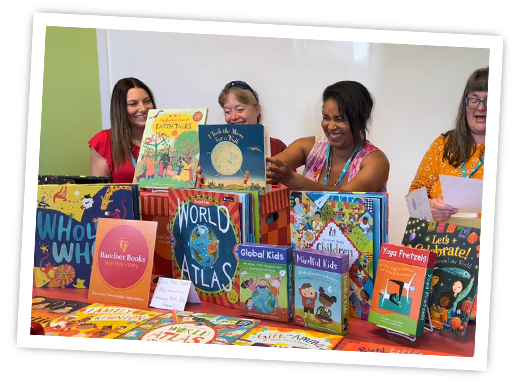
{"x":170,"y":148}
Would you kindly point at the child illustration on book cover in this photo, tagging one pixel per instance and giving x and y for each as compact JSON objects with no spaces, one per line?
{"x":309,"y":297}
{"x":323,"y":313}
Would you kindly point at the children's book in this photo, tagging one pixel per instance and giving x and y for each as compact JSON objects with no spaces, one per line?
{"x":232,"y":157}
{"x":188,"y":327}
{"x":66,"y":226}
{"x":369,"y":347}
{"x":271,"y":336}
{"x":123,"y":262}
{"x":170,"y":148}
{"x":76,"y":179}
{"x":205,"y":231}
{"x":45,"y":309}
{"x":99,"y":320}
{"x":343,"y":222}
{"x":455,"y":277}
{"x":321,"y":291}
{"x":266,"y":281}
{"x":401,"y":289}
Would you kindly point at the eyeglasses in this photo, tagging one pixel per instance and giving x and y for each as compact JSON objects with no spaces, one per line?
{"x":241,"y":85}
{"x":473,"y":103}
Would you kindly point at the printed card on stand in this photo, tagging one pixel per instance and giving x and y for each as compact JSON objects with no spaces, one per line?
{"x":418,"y":204}
{"x":173,"y":294}
{"x":123,"y":262}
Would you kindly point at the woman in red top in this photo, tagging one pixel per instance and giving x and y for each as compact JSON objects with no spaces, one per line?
{"x":114,"y":152}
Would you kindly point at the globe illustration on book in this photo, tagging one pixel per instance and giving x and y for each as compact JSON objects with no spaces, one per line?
{"x":204,"y":246}
{"x":263,"y":299}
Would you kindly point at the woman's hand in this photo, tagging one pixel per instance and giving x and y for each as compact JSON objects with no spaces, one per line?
{"x":440,"y":211}
{"x":279,"y":172}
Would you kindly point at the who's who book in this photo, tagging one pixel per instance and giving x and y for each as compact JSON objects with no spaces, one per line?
{"x":66,"y":226}
{"x":455,"y":277}
{"x":170,"y":148}
{"x":205,"y":231}
{"x":401,"y":289}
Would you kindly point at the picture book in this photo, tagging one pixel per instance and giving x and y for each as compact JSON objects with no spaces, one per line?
{"x":321,"y":291}
{"x":369,"y":347}
{"x":266,"y":274}
{"x":289,"y":338}
{"x":188,"y":327}
{"x":76,"y":179}
{"x":66,"y":225}
{"x":343,"y":222}
{"x":123,"y":262}
{"x":45,"y":309}
{"x":99,"y":321}
{"x":205,"y":231}
{"x":402,"y":288}
{"x":233,"y":157}
{"x":455,"y":277}
{"x":170,"y":148}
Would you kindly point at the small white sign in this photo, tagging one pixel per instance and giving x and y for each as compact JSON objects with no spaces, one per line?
{"x":418,"y":204}
{"x":465,"y":194}
{"x":173,"y":294}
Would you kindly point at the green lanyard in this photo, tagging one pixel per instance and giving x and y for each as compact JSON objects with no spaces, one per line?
{"x":344,"y":170}
{"x":472,"y":172}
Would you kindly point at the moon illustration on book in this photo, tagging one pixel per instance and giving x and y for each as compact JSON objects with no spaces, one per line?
{"x":227,"y":158}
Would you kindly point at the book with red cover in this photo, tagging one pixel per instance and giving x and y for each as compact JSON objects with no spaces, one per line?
{"x":205,"y":231}
{"x":369,"y":347}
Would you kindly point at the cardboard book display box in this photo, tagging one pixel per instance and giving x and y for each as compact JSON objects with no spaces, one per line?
{"x":275,"y":216}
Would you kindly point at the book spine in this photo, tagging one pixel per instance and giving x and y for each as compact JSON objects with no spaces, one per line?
{"x":423,"y":310}
{"x":345,"y":304}
{"x":291,"y":292}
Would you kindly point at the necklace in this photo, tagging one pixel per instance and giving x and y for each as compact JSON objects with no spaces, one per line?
{"x":329,"y":160}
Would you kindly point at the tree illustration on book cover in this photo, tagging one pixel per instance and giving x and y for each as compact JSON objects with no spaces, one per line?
{"x":205,"y":229}
{"x":455,"y":277}
{"x":170,"y":148}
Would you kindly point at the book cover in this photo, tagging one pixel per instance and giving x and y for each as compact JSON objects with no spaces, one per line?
{"x":188,"y":327}
{"x":402,"y":288}
{"x":99,"y":321}
{"x":266,"y":274}
{"x":66,"y":225}
{"x":369,"y":347}
{"x":123,"y":262}
{"x":321,"y":291}
{"x":271,"y":336}
{"x":232,"y":157}
{"x":342,"y":222}
{"x":46,"y":309}
{"x":455,"y":277}
{"x":170,"y":148}
{"x":205,"y":231}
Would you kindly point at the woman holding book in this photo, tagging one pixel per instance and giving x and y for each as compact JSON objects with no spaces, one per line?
{"x":460,"y":151}
{"x":114,"y":152}
{"x":340,"y":159}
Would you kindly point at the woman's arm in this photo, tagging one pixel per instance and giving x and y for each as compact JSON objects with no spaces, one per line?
{"x":98,"y":165}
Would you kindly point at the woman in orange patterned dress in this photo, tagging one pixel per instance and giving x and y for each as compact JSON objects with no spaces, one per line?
{"x":460,"y":151}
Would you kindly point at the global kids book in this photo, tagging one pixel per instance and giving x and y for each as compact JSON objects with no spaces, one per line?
{"x":233,"y":157}
{"x":205,"y":231}
{"x":321,"y":291}
{"x":66,"y":225}
{"x":455,"y":277}
{"x":170,"y":149}
{"x":123,"y":262}
{"x":271,"y":336}
{"x":401,"y":289}
{"x":343,"y":222}
{"x":45,"y":309}
{"x":188,"y":327}
{"x":266,"y":274}
{"x":99,"y":320}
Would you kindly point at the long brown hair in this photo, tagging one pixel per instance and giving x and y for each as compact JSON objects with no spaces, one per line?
{"x":121,"y":132}
{"x":460,"y":144}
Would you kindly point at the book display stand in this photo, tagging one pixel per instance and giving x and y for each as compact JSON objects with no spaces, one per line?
{"x":427,"y":326}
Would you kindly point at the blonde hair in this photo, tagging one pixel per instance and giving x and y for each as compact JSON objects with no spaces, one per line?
{"x":245,"y":96}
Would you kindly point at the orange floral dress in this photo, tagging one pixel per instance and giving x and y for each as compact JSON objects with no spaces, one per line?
{"x":432,"y":165}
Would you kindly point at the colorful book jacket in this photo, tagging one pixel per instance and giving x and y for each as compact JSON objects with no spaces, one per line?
{"x":266,"y":273}
{"x":402,"y":288}
{"x":289,"y":338}
{"x":205,"y":231}
{"x":46,"y":309}
{"x":170,"y":149}
{"x":66,"y":225}
{"x":99,"y":321}
{"x":321,"y":291}
{"x":342,"y":223}
{"x":232,"y":157}
{"x":455,"y":277}
{"x":369,"y":347}
{"x":188,"y":327}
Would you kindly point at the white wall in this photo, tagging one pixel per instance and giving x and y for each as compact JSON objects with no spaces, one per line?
{"x":416,"y":88}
